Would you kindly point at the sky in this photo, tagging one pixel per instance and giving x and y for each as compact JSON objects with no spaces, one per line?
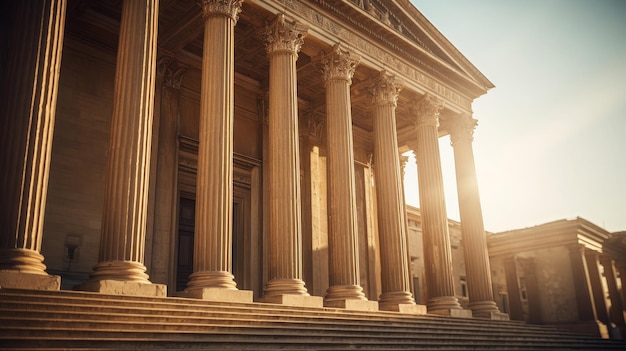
{"x":551,"y":136}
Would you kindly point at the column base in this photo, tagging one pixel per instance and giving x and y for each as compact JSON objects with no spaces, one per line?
{"x":353,"y":304}
{"x":218,"y":294}
{"x":389,"y":301}
{"x":120,"y":287}
{"x":487,"y":310}
{"x":10,"y":279}
{"x":406,"y":308}
{"x":294,"y":300}
{"x":443,"y":303}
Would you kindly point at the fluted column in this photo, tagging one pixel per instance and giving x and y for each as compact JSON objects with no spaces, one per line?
{"x":477,"y":268}
{"x":338,"y":68}
{"x":212,"y":260}
{"x":29,"y":81}
{"x":617,"y":306}
{"x":122,"y":243}
{"x":437,"y":251}
{"x":396,"y":286}
{"x":283,"y":41}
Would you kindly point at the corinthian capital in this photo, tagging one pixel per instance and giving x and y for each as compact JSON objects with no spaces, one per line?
{"x":461,"y":128}
{"x":229,"y":8}
{"x":282,"y":36}
{"x":427,"y":110}
{"x":385,"y":89}
{"x":170,"y":71}
{"x":339,"y":64}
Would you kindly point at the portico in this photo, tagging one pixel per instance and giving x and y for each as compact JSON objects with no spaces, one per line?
{"x":270,"y":150}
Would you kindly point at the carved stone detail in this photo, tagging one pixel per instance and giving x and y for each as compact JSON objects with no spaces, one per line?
{"x":340,"y":63}
{"x":170,"y":71}
{"x":461,"y":129}
{"x":408,"y":72}
{"x":284,"y":36}
{"x":385,"y":89}
{"x":230,"y":8}
{"x":427,"y":110}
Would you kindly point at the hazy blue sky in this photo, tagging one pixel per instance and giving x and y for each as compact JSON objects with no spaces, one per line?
{"x":551,"y":140}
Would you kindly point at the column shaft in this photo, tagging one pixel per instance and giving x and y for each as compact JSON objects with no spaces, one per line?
{"x":343,"y":246}
{"x":212,"y":260}
{"x":123,"y":230}
{"x":477,"y":268}
{"x":396,"y":286}
{"x":29,"y":77}
{"x":437,"y":251}
{"x":165,"y":172}
{"x":285,"y":228}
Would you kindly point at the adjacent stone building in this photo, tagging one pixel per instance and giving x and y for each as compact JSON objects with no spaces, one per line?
{"x":566,"y":273}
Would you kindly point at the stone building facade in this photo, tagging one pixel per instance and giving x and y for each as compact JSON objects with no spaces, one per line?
{"x":236,"y":151}
{"x":567,"y":273}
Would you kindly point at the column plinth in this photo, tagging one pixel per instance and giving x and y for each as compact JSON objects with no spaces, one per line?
{"x":283,"y":41}
{"x":28,"y":96}
{"x":212,"y":260}
{"x":120,"y":268}
{"x":477,"y":267}
{"x":395,"y":283}
{"x":338,"y":68}
{"x":436,"y":237}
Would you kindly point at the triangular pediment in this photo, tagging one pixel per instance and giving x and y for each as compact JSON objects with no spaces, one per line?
{"x":403,"y":28}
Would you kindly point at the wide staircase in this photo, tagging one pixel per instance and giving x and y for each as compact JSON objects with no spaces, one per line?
{"x":60,"y":320}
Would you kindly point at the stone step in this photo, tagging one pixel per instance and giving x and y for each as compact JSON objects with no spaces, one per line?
{"x":76,"y":301}
{"x":42,"y":318}
{"x":62,"y":319}
{"x":271,"y":339}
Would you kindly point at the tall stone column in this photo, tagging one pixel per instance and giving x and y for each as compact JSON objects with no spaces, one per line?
{"x":436,"y":237}
{"x":597,"y":289}
{"x":29,"y":78}
{"x":395,"y":278}
{"x":163,"y":198}
{"x":120,"y":268}
{"x":283,"y":41}
{"x":212,"y":258}
{"x":338,"y":68}
{"x":617,"y":306}
{"x":477,"y":267}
